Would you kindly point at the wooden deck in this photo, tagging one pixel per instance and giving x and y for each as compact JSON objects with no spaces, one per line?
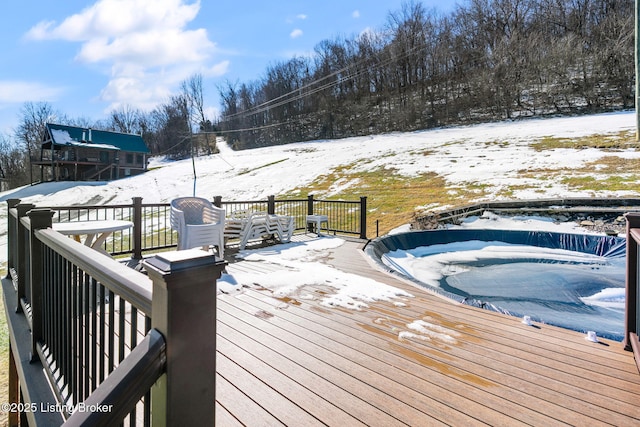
{"x":299,"y":363}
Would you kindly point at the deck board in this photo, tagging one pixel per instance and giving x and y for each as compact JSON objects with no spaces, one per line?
{"x":368,"y":375}
{"x":412,"y":362}
{"x":289,"y":361}
{"x":457,"y":391}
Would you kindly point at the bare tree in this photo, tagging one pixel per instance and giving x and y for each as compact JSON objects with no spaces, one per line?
{"x":126,"y":119}
{"x":172,"y":132}
{"x":193,"y":91}
{"x":13,"y":164}
{"x":31,"y":131}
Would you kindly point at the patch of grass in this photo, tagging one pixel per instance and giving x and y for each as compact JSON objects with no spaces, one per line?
{"x":614,"y":165}
{"x":610,"y":183}
{"x":391,"y":197}
{"x":425,"y":153}
{"x":609,"y":173}
{"x":510,"y":192}
{"x":499,"y":143}
{"x":615,"y":141}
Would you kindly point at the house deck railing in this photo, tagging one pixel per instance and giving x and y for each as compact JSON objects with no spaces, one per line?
{"x":93,"y":342}
{"x":151,"y":221}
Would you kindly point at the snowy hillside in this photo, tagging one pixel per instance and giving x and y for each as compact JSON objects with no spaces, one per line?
{"x":493,"y":155}
{"x":254,"y":174}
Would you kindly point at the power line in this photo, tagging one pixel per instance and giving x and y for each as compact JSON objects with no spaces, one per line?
{"x":286,"y":99}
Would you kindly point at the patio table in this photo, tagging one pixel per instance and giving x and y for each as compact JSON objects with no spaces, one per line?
{"x":318,"y":220}
{"x":95,"y":232}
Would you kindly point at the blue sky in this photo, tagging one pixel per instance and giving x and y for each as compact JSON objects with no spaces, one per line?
{"x":88,"y":57}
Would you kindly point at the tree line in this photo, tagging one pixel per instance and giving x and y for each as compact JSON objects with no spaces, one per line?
{"x":487,"y":60}
{"x":176,"y":128}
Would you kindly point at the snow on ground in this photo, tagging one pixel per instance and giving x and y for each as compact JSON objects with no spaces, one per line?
{"x":300,"y":273}
{"x":491,"y":221}
{"x":492,"y":154}
{"x":299,"y":267}
{"x":460,"y":154}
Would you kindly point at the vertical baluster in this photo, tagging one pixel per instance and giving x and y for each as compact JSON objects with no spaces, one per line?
{"x":101,"y":354}
{"x":147,"y":396}
{"x":147,"y":409}
{"x":134,"y":327}
{"x":68,"y":357}
{"x":63,"y":363}
{"x":87,"y":336}
{"x":57,"y":307}
{"x":80,"y":321}
{"x":46,"y":265}
{"x":94,"y":337}
{"x":73,"y":380}
{"x":112,"y":334}
{"x":51,"y":301}
{"x":121,"y":329}
{"x":134,"y":341}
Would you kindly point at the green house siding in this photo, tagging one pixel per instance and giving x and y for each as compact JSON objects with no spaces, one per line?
{"x":82,"y":154}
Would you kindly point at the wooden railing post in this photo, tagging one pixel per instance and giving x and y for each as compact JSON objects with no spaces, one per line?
{"x":22,"y":253}
{"x":309,"y":211}
{"x":271,"y":205}
{"x":631,"y":281}
{"x":40,"y":218}
{"x":363,"y":218}
{"x":217,"y":201}
{"x":12,"y":236}
{"x":310,"y":204}
{"x":137,"y":228}
{"x":184,"y":311}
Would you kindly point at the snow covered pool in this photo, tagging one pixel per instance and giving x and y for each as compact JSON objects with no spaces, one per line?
{"x":575,"y":281}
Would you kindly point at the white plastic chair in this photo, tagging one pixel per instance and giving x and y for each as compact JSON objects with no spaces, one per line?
{"x":249,"y":225}
{"x":281,"y":226}
{"x":198,"y":223}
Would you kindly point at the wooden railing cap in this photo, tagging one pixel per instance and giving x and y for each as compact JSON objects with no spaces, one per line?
{"x":171,"y":262}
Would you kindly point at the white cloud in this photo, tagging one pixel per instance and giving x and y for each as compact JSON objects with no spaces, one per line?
{"x":14,"y":91}
{"x":140,"y":91}
{"x":217,"y":70}
{"x":99,"y":20}
{"x":146,"y":50}
{"x":150,"y":48}
{"x":355,"y":14}
{"x":296,"y":33}
{"x":300,"y":16}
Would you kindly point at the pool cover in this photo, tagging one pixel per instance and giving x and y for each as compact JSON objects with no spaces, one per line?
{"x":574,"y":281}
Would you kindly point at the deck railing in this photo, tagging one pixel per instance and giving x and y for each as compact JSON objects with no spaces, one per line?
{"x":632,"y":297}
{"x":151,"y":229}
{"x":344,"y":216}
{"x":90,"y":336}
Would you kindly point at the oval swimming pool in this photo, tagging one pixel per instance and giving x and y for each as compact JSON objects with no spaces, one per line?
{"x":575,"y":281}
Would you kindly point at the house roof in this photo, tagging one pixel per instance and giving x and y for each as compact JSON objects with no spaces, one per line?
{"x":91,"y":138}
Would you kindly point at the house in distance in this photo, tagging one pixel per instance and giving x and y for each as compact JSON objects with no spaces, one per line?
{"x":70,"y":153}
